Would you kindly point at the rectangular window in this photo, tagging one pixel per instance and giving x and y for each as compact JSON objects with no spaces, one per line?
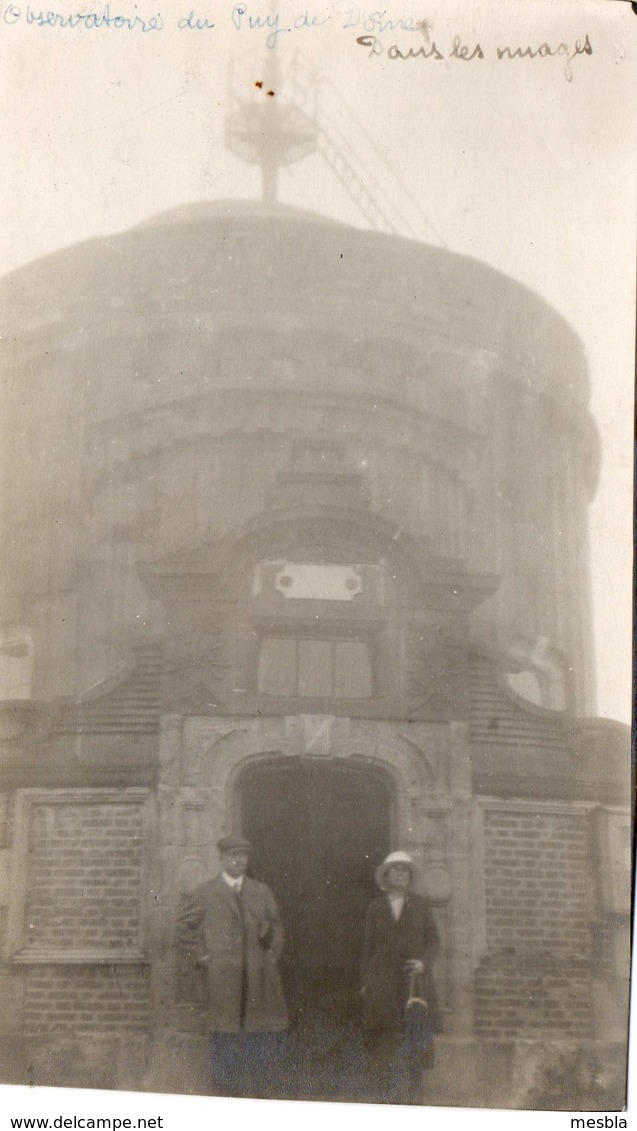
{"x":314,"y":668}
{"x":277,"y":667}
{"x":315,"y":660}
{"x":352,"y":669}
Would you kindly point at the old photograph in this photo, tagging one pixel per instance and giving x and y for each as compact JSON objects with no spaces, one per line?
{"x":317,"y":336}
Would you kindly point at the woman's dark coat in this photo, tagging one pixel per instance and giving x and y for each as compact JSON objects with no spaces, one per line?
{"x":388,"y":944}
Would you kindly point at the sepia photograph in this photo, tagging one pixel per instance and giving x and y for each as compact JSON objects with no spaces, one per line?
{"x":317,"y":327}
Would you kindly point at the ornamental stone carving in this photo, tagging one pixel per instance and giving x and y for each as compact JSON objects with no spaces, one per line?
{"x":435,"y":677}
{"x":194,"y":673}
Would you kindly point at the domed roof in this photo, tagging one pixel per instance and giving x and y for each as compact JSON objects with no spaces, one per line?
{"x":245,"y":259}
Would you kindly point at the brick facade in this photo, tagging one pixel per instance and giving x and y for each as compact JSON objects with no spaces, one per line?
{"x":538,"y":882}
{"x":407,"y":418}
{"x":536,"y":977}
{"x":86,"y":999}
{"x":521,"y":998}
{"x":80,"y":983}
{"x":83,"y":876}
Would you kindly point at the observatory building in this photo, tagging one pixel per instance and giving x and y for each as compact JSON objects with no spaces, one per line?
{"x":295,"y":545}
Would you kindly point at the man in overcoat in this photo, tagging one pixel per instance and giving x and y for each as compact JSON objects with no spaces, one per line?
{"x":400,"y":944}
{"x":231,"y":925}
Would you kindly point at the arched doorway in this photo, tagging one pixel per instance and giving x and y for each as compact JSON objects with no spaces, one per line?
{"x":319,"y":827}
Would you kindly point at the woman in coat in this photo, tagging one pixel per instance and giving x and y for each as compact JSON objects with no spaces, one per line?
{"x":401,"y":942}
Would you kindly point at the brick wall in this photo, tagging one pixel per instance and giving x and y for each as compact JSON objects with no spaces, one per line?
{"x":76,"y":999}
{"x":547,"y":1000}
{"x":78,"y":937}
{"x":83,"y":876}
{"x":536,"y":978}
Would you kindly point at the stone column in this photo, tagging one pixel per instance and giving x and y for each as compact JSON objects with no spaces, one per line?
{"x":461,"y":907}
{"x":177,"y":1061}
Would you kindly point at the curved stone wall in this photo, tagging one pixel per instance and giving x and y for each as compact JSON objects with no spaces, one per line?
{"x":163,"y":382}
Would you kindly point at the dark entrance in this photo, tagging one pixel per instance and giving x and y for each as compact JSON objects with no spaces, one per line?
{"x":318,"y":828}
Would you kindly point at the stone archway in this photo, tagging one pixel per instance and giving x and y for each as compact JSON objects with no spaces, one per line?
{"x":413,"y":775}
{"x":319,"y":827}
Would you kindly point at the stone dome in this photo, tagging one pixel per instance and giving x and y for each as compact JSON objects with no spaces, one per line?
{"x":239,"y":261}
{"x":162,"y":381}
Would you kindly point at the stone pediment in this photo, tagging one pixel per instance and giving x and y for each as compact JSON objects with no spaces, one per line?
{"x":218,"y":572}
{"x":331,"y":574}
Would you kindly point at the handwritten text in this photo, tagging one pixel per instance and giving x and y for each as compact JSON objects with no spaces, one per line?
{"x":468,"y":52}
{"x":273,"y":23}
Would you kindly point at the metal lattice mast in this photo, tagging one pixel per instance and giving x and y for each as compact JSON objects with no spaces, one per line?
{"x":275,"y":122}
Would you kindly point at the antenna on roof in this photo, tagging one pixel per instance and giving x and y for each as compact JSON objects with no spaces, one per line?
{"x":276,"y":121}
{"x":266,"y":130}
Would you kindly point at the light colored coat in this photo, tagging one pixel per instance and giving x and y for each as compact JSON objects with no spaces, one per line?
{"x":215,"y":931}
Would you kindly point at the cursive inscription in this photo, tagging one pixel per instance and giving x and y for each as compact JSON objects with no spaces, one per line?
{"x":243,"y":19}
{"x":545,"y":51}
{"x":376,"y":47}
{"x":467,"y":53}
{"x":274,"y":21}
{"x":92,"y":21}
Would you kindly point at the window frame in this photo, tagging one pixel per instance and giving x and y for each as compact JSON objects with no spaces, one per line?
{"x":328,"y":627}
{"x":300,"y":638}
